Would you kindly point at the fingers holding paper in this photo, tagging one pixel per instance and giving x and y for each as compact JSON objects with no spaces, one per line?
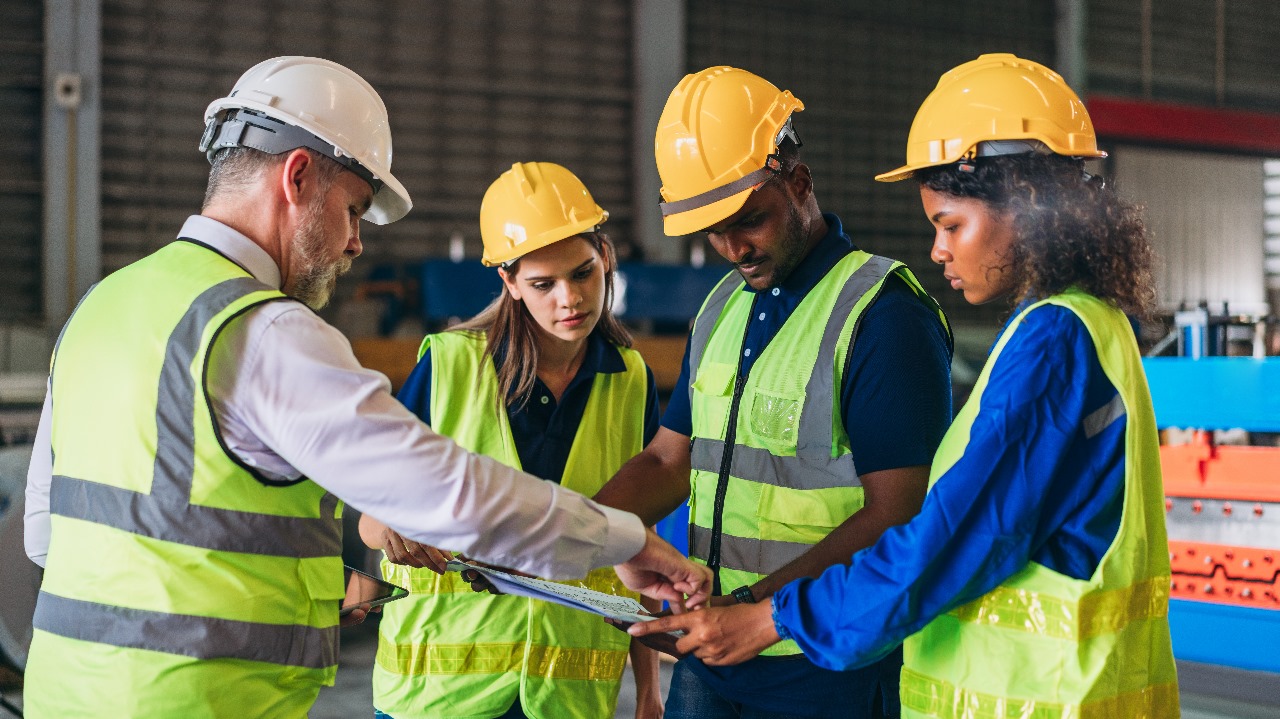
{"x":718,"y":635}
{"x":661,"y":572}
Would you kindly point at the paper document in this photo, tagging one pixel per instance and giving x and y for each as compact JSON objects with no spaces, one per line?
{"x":622,"y":609}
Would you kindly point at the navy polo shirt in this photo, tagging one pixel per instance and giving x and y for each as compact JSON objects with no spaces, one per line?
{"x":543,"y":429}
{"x":896,"y":396}
{"x":896,"y":406}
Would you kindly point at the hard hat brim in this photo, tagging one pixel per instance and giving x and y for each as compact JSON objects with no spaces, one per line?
{"x":901,"y":173}
{"x":390,"y":204}
{"x":700,"y":218}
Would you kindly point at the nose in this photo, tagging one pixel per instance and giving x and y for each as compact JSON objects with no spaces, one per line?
{"x":354,"y":245}
{"x":570,"y":297}
{"x":940,"y":253}
{"x":730,"y":246}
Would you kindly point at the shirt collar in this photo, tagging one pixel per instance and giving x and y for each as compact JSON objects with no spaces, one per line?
{"x":830,"y":249}
{"x":235,"y":246}
{"x":601,"y":357}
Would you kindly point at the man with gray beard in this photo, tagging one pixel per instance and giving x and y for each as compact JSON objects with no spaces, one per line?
{"x":202,"y":424}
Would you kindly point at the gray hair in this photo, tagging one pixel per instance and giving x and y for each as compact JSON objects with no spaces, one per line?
{"x":235,"y":169}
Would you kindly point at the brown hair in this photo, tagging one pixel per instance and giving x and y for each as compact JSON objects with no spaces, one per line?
{"x":1072,"y":229}
{"x":510,"y":328}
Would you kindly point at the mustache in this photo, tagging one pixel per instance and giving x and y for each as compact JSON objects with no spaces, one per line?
{"x":749,"y":260}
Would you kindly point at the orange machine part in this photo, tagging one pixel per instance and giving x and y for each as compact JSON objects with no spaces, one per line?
{"x":1244,"y":576}
{"x":1199,"y":469}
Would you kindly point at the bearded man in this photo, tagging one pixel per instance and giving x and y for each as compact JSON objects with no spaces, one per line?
{"x":203,"y":422}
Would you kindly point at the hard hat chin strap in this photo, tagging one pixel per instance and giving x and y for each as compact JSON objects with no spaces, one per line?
{"x":752,"y":180}
{"x":240,"y":127}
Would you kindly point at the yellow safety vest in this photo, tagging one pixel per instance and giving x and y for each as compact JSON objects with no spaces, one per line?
{"x":179,"y":582}
{"x":772,"y":472}
{"x":446,"y":651}
{"x":1044,"y":645}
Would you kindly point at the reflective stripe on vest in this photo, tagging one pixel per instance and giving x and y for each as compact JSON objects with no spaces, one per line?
{"x":447,"y":650}
{"x":1042,"y":644}
{"x":199,"y":637}
{"x":161,"y":541}
{"x":943,"y":700}
{"x":789,"y":477}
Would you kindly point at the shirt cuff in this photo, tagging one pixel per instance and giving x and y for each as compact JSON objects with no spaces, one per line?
{"x":777,"y":625}
{"x":624,"y":539}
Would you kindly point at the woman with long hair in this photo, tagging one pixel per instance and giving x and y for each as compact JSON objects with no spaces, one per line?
{"x":1035,"y":580}
{"x":545,"y":380}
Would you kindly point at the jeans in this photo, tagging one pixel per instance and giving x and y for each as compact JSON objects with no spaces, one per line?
{"x":808,"y":693}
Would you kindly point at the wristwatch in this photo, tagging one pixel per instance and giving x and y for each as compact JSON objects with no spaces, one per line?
{"x":743,"y":595}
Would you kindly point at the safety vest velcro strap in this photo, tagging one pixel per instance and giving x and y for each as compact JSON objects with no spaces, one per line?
{"x":498,"y":658}
{"x":760,"y":465}
{"x":170,"y":518}
{"x":1049,"y":616}
{"x":187,"y":635}
{"x":747,"y":554}
{"x":943,"y":700}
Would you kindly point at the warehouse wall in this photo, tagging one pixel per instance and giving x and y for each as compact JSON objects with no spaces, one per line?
{"x":474,"y":84}
{"x":471,"y":86}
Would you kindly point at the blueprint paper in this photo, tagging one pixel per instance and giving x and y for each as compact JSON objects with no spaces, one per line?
{"x":622,"y":609}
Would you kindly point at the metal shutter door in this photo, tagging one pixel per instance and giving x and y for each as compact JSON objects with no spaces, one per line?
{"x":1169,"y":50}
{"x":21,"y":182}
{"x":470,"y":87}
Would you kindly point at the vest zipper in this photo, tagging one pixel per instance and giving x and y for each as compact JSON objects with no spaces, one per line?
{"x":722,"y":484}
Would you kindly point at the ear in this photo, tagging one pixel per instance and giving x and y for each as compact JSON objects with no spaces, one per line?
{"x":509,"y":281}
{"x":800,"y":182}
{"x":297,"y":177}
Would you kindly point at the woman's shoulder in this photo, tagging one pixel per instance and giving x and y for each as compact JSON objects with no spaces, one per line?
{"x":1049,"y":330}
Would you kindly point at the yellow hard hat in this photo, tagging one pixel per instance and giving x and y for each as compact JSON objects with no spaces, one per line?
{"x":716,"y":141}
{"x":998,"y":97}
{"x":532,"y":205}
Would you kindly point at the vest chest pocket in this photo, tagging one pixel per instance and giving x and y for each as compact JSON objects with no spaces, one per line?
{"x":712,"y":394}
{"x":773,"y":421}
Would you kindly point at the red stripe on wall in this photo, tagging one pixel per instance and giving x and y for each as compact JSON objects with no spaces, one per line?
{"x":1116,"y":118}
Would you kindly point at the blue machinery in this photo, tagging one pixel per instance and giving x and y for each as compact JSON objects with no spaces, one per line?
{"x":1222,"y":507}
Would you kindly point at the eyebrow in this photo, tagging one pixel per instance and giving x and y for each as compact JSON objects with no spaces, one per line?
{"x":937,"y":215}
{"x":750,"y":215}
{"x":552,"y":277}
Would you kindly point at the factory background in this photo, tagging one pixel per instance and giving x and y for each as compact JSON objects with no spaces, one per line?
{"x":101,"y":104}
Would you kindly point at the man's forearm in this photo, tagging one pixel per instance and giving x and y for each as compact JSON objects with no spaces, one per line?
{"x":654,"y":483}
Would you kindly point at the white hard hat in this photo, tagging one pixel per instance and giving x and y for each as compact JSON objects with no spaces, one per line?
{"x":290,"y":102}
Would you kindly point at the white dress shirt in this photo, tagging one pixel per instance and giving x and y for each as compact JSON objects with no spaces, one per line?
{"x":291,"y":399}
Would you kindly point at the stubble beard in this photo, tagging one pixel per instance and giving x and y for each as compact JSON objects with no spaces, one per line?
{"x":314,"y":277}
{"x":792,"y":252}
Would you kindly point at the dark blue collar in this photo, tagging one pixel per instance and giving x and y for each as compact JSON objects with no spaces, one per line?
{"x":601,"y":357}
{"x":830,"y":249}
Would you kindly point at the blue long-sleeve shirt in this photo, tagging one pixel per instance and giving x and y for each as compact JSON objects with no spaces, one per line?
{"x":1032,"y":485}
